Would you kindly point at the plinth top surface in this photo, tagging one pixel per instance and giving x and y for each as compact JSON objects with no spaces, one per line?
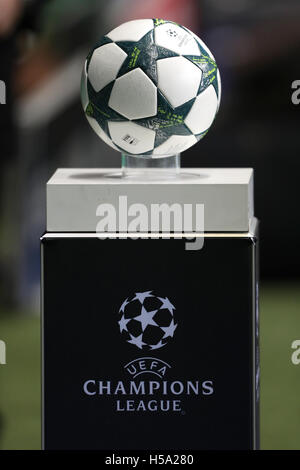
{"x":104,"y":176}
{"x":77,"y":197}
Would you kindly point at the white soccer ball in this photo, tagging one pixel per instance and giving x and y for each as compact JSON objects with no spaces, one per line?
{"x":150,"y":87}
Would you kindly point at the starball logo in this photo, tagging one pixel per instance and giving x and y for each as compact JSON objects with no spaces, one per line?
{"x":148,"y":321}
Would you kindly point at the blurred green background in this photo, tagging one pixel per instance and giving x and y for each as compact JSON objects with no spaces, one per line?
{"x":280,"y":379}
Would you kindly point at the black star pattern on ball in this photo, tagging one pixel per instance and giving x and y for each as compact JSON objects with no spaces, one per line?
{"x":143,"y":54}
{"x":101,"y":42}
{"x":208,"y":67}
{"x":98,"y":106}
{"x":168,"y":120}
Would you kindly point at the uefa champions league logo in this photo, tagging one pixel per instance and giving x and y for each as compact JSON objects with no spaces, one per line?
{"x":147,"y":320}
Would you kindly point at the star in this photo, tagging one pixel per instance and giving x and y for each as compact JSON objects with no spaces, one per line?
{"x":167,"y":304}
{"x":126,"y":302}
{"x":123,"y":322}
{"x":141,"y":296}
{"x":158,"y":345}
{"x":137,"y":340}
{"x":209,"y":69}
{"x":98,"y":106}
{"x":169,"y":331}
{"x":146,"y":318}
{"x":168,"y":120}
{"x":143,"y":54}
{"x":104,"y":40}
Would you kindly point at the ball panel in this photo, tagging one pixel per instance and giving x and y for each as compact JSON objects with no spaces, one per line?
{"x":98,"y":106}
{"x":152,"y":303}
{"x":134,"y":328}
{"x":104,"y":65}
{"x":131,"y":31}
{"x":201,"y":44}
{"x":163,"y":317}
{"x":132,"y":309}
{"x":131,"y":137}
{"x":134,"y":95}
{"x":178,"y":79}
{"x":103,"y":40}
{"x":94,"y":124}
{"x":174,"y":37}
{"x":175,"y":144}
{"x":203,"y":111}
{"x":209,"y":71}
{"x":152,"y":335}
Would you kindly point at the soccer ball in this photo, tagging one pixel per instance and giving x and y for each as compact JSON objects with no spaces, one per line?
{"x":147,"y":320}
{"x":150,"y":87}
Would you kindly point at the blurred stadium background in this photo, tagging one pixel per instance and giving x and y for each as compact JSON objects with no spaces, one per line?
{"x":43,"y":44}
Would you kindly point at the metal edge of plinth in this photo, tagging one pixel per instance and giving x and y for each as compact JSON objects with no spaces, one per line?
{"x":149,"y":235}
